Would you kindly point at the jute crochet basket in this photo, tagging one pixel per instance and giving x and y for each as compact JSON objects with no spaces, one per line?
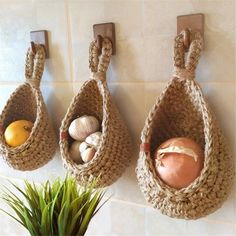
{"x":113,"y":154}
{"x":26,"y":103}
{"x":182,"y":111}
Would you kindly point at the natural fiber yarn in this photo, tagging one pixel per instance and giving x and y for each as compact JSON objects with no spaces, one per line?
{"x":113,"y":154}
{"x":182,"y":111}
{"x":26,"y":102}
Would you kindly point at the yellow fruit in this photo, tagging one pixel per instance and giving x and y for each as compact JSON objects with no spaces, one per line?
{"x":18,"y":132}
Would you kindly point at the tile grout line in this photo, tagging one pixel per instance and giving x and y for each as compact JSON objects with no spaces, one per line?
{"x":138,"y":82}
{"x":150,"y":207}
{"x":69,"y":42}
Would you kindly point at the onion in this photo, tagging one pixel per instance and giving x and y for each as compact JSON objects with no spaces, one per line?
{"x":179,"y":162}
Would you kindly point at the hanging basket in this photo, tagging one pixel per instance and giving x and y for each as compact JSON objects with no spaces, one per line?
{"x":113,"y":154}
{"x":26,"y":103}
{"x":182,"y":111}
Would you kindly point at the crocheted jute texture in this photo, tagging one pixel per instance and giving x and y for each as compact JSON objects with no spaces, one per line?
{"x":113,"y":154}
{"x":26,"y":103}
{"x":182,"y":111}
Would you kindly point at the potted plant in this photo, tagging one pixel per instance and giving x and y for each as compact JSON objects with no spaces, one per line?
{"x":58,"y":208}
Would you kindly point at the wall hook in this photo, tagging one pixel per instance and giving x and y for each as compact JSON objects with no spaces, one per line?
{"x":40,"y":37}
{"x":193,"y":22}
{"x":105,"y":30}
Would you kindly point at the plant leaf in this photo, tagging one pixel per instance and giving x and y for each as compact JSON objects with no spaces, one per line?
{"x":102,"y":195}
{"x":46,"y":221}
{"x":59,"y":208}
{"x":29,"y":222}
{"x":13,"y":217}
{"x":89,"y":214}
{"x":53,"y":210}
{"x":75,"y":219}
{"x":62,"y":219}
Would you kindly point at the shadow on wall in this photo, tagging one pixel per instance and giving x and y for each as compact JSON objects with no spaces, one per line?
{"x":217,"y":49}
{"x":58,"y":102}
{"x":57,"y":95}
{"x":135,"y":121}
{"x":216,"y":52}
{"x":127,"y":64}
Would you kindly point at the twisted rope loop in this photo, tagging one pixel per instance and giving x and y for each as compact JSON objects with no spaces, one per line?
{"x":182,"y":70}
{"x":98,"y":65}
{"x":34,"y":65}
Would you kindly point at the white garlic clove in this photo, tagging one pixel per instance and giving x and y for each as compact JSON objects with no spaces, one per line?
{"x":88,"y":154}
{"x":94,"y":139}
{"x":75,"y":152}
{"x":83,"y":126}
{"x":83,"y":146}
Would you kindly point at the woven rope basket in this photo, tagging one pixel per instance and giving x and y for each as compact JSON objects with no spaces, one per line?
{"x":182,"y":111}
{"x":26,"y":103}
{"x":113,"y":154}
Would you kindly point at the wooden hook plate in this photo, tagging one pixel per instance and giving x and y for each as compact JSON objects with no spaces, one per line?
{"x":193,"y":22}
{"x":40,"y":37}
{"x":106,"y":30}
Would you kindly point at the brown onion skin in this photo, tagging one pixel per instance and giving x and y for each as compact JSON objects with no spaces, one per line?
{"x":179,"y":170}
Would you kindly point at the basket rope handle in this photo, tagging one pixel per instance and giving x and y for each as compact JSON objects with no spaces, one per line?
{"x":186,"y":70}
{"x":98,"y":65}
{"x":182,"y":70}
{"x":34,"y":65}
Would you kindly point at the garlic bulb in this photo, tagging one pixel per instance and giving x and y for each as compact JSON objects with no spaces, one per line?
{"x":94,"y":139}
{"x":88,"y":154}
{"x":83,"y":146}
{"x":83,"y":126}
{"x":75,"y":152}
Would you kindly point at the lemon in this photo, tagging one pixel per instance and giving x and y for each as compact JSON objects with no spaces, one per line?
{"x":18,"y":132}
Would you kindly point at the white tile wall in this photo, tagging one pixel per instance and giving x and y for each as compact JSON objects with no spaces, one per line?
{"x":17,"y":19}
{"x":137,"y":74}
{"x":8,"y":225}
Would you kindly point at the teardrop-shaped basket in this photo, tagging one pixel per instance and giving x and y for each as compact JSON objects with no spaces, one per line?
{"x":113,"y":154}
{"x":182,"y":111}
{"x":26,"y":103}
